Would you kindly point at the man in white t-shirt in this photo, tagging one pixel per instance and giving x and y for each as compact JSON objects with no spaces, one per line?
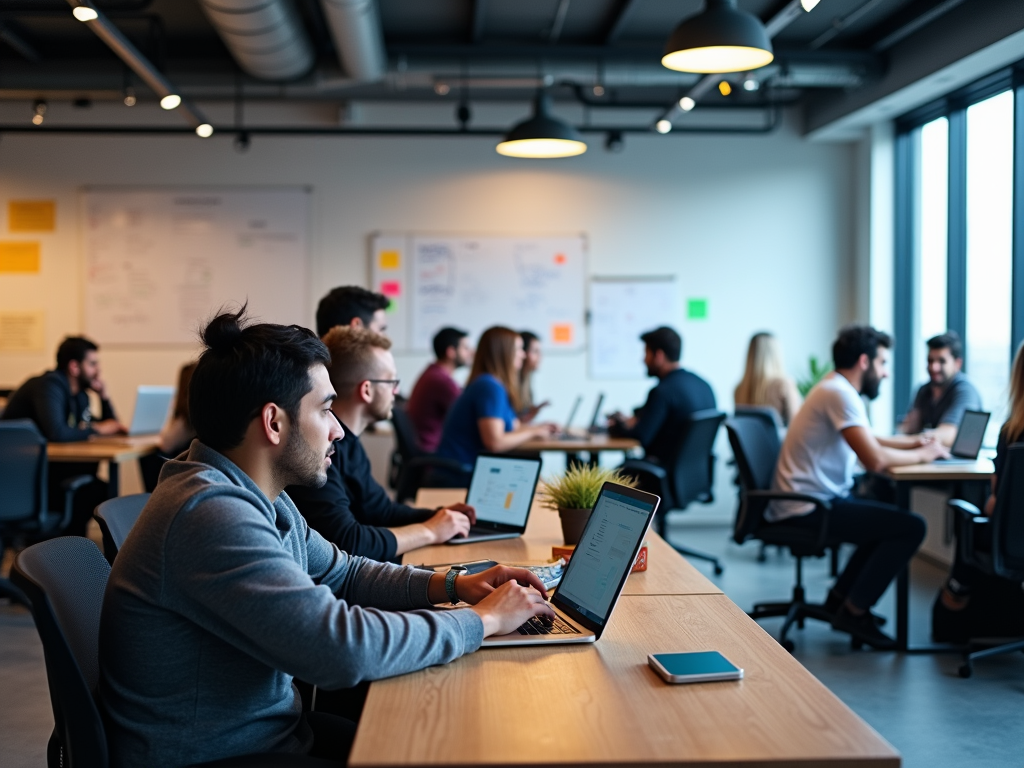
{"x":827,"y":437}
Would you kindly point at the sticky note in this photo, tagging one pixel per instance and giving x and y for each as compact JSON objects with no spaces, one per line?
{"x":391,"y":288}
{"x":19,"y":257}
{"x":31,"y":215}
{"x":390,"y":260}
{"x":560,"y":258}
{"x":21,"y":331}
{"x":508,"y":499}
{"x":697,"y":309}
{"x":392,"y":306}
{"x":561,"y":333}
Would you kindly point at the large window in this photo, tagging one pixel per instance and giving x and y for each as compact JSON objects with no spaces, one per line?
{"x":955,"y":262}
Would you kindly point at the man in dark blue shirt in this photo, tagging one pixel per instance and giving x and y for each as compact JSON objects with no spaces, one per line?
{"x":352,"y":510}
{"x":679,"y":393}
{"x":940,"y":404}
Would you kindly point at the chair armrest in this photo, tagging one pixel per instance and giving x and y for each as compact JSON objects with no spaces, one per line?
{"x":821,"y":504}
{"x":643,"y":465}
{"x":968,"y":518}
{"x":70,"y":488}
{"x":961,"y":507}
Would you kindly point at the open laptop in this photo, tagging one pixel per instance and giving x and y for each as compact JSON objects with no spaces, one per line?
{"x":596,"y":426}
{"x":969,"y":438}
{"x":501,"y":491}
{"x":565,"y":434}
{"x":152,"y":404}
{"x":596,"y":573}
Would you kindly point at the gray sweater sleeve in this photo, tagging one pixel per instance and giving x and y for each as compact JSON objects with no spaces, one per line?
{"x":328,"y":624}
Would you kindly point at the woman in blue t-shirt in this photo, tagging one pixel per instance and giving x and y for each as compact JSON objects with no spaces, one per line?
{"x":483,"y":419}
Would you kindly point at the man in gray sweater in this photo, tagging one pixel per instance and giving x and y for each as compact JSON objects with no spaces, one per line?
{"x":221,"y":594}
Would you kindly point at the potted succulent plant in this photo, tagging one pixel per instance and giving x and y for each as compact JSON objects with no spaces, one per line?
{"x":575,"y":493}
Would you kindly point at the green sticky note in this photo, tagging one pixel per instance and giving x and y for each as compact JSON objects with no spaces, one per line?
{"x":392,"y":306}
{"x":697,"y":309}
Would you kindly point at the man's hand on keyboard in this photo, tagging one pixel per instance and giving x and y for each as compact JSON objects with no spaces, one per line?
{"x":504,"y":597}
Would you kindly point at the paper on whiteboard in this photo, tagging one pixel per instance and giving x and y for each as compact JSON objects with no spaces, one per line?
{"x":621,"y":310}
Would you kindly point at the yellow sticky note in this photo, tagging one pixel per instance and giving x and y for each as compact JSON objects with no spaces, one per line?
{"x":561,"y":333}
{"x":21,"y":331}
{"x":31,"y":215}
{"x":390,"y":260}
{"x":19,"y":257}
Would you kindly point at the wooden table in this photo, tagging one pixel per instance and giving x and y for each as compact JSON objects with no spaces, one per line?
{"x":113,"y":450}
{"x":905,"y":479}
{"x":593,"y":444}
{"x":602,"y":705}
{"x":667,"y":573}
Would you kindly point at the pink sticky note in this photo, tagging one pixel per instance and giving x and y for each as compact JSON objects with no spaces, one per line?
{"x":391,"y":288}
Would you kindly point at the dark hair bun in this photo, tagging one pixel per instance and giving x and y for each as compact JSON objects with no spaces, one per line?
{"x":224,"y":330}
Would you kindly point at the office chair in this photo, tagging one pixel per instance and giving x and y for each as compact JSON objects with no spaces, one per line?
{"x":755,"y":447}
{"x":116,"y":518}
{"x":686,"y":475}
{"x":24,"y":503}
{"x":1005,"y":558}
{"x":64,"y":579}
{"x":411,"y":466}
{"x":766,"y":413}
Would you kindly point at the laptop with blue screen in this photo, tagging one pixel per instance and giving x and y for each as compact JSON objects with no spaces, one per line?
{"x":596,"y":573}
{"x":501,"y":491}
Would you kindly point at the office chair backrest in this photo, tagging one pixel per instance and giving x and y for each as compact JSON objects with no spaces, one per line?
{"x":23,"y":469}
{"x":116,"y":518}
{"x":1008,"y":517}
{"x":406,"y":442}
{"x":690,"y":468}
{"x":64,"y":579}
{"x":769,"y":415}
{"x":755,"y":446}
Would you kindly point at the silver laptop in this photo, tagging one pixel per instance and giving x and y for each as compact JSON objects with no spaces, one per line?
{"x":152,"y":404}
{"x":596,"y":573}
{"x":501,"y":491}
{"x":565,"y":434}
{"x":969,"y":438}
{"x":597,"y":427}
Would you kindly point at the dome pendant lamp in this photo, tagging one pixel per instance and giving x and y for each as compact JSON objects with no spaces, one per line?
{"x":721,"y":38}
{"x":542,"y":135}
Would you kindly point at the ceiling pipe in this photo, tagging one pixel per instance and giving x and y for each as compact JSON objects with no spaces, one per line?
{"x":265,"y":37}
{"x":358,"y":38}
{"x":139,"y":64}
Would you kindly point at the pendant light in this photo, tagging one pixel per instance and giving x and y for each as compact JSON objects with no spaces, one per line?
{"x":721,"y":38}
{"x":542,"y":135}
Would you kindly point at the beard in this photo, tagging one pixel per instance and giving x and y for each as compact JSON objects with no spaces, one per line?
{"x":301,"y":464}
{"x":870,"y":384}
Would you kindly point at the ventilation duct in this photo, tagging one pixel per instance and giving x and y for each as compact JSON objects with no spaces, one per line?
{"x":356,"y":31}
{"x":265,"y":37}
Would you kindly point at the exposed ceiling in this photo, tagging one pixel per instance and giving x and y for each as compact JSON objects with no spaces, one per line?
{"x":603,"y":54}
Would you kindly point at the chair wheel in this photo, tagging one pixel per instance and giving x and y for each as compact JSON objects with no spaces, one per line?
{"x":965,"y":670}
{"x":788,"y":645}
{"x":719,"y":570}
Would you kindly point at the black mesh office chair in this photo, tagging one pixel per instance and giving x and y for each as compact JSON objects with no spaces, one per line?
{"x":24,"y":502}
{"x":411,"y":467}
{"x":116,"y":518}
{"x":766,"y":413}
{"x":64,"y":579}
{"x":685,"y":476}
{"x":1005,"y":530}
{"x":755,"y":447}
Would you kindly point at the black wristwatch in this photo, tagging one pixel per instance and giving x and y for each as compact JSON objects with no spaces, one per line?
{"x":449,"y":583}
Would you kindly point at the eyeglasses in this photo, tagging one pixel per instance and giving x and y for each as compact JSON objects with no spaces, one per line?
{"x":393,"y":382}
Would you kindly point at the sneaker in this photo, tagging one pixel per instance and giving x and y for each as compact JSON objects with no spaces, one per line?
{"x":834,"y":602}
{"x":863,"y":628}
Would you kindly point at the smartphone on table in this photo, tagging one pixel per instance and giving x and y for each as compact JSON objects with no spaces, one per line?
{"x":696,"y":667}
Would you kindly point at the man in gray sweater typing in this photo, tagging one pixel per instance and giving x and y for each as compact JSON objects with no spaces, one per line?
{"x":221,"y":594}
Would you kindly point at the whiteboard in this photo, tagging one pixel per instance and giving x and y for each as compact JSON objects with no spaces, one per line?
{"x":160,"y":262}
{"x":472,"y":283}
{"x":620,"y":310}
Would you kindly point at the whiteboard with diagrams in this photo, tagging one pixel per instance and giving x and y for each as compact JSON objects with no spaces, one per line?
{"x":159,"y":262}
{"x":472,"y":283}
{"x":620,"y":310}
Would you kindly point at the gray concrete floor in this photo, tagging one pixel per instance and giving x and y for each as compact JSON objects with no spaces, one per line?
{"x":918,"y":703}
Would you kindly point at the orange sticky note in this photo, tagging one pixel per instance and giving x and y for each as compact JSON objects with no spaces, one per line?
{"x":561,"y":333}
{"x":560,"y":258}
{"x":390,"y":259}
{"x":21,"y":257}
{"x":31,"y":215}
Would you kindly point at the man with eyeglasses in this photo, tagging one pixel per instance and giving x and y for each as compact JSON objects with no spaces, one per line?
{"x":352,"y":510}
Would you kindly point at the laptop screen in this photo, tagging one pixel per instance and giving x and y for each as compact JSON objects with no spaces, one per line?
{"x":152,"y":405}
{"x":970,"y":435}
{"x":597,"y":411}
{"x":604,"y":556}
{"x":502,"y":490}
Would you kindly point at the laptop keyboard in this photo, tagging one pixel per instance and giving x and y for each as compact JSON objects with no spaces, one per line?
{"x":539,"y":626}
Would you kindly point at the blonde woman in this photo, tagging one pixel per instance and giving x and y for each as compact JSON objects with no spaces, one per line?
{"x":484,"y":417}
{"x":765,"y":381}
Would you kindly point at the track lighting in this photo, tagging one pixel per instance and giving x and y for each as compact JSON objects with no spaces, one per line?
{"x":204,"y":130}
{"x":84,"y":13}
{"x":663,"y":126}
{"x":39,"y":107}
{"x":170,"y":101}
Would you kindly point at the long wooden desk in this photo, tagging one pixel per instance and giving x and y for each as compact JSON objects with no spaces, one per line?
{"x":667,"y":573}
{"x":593,"y":444}
{"x":905,"y":479}
{"x":113,"y":450}
{"x":600,"y":704}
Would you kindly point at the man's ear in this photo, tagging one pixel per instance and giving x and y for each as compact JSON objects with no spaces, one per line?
{"x":365,"y":391}
{"x":356,"y":322}
{"x":74,"y":369}
{"x":864,"y":362}
{"x":273,"y":423}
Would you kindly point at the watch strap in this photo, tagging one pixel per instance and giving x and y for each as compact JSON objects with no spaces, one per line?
{"x":449,"y":585}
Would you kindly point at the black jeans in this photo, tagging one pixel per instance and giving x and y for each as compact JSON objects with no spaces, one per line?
{"x":332,"y":736}
{"x":886,"y":538}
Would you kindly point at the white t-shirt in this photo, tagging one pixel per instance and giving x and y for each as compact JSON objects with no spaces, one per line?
{"x":815,"y":458}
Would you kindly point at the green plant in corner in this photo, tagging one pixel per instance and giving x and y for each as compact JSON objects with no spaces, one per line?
{"x":817,"y":373}
{"x":580,"y":486}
